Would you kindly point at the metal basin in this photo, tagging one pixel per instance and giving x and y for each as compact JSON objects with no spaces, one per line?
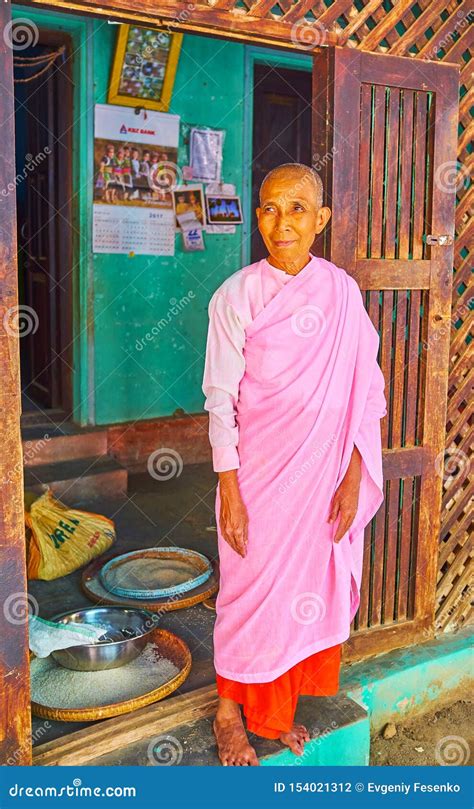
{"x":127,"y":634}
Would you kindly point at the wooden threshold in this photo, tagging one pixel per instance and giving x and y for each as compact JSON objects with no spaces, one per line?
{"x":83,"y":746}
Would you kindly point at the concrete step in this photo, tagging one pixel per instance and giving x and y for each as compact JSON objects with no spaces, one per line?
{"x":45,"y":444}
{"x":338,"y":727}
{"x":80,"y":479}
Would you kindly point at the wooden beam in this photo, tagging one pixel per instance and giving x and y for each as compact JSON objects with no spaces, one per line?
{"x":114,"y":734}
{"x":207,"y":20}
{"x":15,"y":722}
{"x":376,"y":273}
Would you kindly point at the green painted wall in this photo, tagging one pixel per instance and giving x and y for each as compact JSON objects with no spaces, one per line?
{"x":133,"y":294}
{"x":118,"y":300}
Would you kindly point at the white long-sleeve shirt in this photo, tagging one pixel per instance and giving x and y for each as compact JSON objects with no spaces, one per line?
{"x":232,"y":308}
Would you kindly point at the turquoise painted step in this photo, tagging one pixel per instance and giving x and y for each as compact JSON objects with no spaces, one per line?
{"x":340,"y":732}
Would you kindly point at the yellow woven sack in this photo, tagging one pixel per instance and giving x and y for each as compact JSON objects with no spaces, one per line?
{"x":61,"y":539}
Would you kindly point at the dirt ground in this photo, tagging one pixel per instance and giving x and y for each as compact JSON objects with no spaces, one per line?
{"x":440,"y":737}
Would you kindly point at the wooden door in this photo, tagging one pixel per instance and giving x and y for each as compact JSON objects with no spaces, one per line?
{"x":385,"y":129}
{"x":45,"y":232}
{"x":281,"y":130}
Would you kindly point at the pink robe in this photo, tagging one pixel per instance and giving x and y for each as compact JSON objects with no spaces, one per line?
{"x":311,"y":388}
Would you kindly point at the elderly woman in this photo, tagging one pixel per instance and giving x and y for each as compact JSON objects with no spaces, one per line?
{"x":295,"y":396}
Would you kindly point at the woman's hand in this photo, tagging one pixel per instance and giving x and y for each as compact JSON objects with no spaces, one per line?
{"x":233,"y":520}
{"x":346,"y":497}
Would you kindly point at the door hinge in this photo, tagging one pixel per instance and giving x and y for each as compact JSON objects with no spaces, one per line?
{"x":440,"y":241}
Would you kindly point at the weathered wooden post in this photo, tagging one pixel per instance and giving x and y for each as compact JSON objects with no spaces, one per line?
{"x":15,"y":723}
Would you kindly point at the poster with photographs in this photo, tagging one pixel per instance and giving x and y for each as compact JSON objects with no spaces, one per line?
{"x":135,"y":168}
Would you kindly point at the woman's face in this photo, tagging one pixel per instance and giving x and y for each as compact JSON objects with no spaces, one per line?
{"x":289,"y":216}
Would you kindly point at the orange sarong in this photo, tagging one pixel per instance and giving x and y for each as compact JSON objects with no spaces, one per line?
{"x":269,"y":708}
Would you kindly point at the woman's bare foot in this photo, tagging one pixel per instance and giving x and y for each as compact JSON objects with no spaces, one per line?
{"x":232,"y":743}
{"x":295,"y":739}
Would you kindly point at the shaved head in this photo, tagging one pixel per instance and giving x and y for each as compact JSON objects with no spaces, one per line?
{"x":296,"y":176}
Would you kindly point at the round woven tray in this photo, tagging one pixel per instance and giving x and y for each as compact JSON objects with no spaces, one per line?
{"x":198,"y":568}
{"x":96,"y":592}
{"x":170,"y":646}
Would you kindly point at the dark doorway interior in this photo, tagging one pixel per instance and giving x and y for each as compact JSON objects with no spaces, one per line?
{"x":281,"y":129}
{"x":43,"y":121}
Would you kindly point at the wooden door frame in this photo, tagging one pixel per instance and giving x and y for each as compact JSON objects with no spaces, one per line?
{"x":62,"y":382}
{"x":14,"y":656}
{"x":14,"y":659}
{"x":256,"y":56}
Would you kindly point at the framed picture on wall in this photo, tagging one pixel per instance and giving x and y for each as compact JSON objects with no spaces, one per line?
{"x":223,"y":209}
{"x":144,"y":67}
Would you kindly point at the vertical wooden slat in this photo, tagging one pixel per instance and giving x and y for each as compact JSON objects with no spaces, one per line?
{"x":377,"y":173}
{"x":377,"y":565}
{"x":412,"y":367}
{"x":385,"y":359}
{"x":419,"y":168}
{"x":364,"y":170}
{"x":398,"y":368}
{"x":15,"y":722}
{"x":422,"y":360}
{"x":429,"y":181}
{"x":393,"y":131}
{"x":406,"y":168}
{"x":391,"y":552}
{"x":404,"y":551}
{"x":362,"y":615}
{"x":418,"y":228}
{"x":414,"y":528}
